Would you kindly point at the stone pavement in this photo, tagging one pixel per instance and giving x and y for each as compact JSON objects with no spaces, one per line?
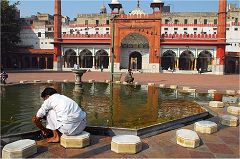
{"x":222,"y":144}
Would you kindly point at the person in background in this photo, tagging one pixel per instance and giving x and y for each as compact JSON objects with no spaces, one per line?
{"x":62,"y":114}
{"x":129,"y":76}
{"x":4,"y":76}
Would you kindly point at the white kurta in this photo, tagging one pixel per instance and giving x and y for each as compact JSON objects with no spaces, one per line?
{"x":63,"y":114}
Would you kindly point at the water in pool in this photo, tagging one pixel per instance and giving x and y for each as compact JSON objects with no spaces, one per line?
{"x":111,"y":105}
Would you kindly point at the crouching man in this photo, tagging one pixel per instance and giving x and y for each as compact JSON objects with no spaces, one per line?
{"x":62,"y":114}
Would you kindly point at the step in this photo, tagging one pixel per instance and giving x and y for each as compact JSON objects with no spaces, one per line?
{"x":229,"y":120}
{"x":130,"y":144}
{"x":20,"y":149}
{"x":233,"y":110}
{"x":206,"y":127}
{"x":187,"y":138}
{"x":216,"y":104}
{"x":77,"y":141}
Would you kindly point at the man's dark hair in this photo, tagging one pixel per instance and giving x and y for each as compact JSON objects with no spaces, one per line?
{"x":48,"y":92}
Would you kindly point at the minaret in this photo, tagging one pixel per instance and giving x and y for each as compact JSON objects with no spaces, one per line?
{"x":57,"y":35}
{"x":221,"y":34}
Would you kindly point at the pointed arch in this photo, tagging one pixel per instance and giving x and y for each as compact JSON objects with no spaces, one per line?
{"x":168,"y":60}
{"x":70,"y":58}
{"x":135,"y":60}
{"x":186,"y":60}
{"x":86,"y":59}
{"x":203,"y":60}
{"x":101,"y":59}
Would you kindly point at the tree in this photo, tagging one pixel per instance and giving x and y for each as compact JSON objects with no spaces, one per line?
{"x":10,"y":26}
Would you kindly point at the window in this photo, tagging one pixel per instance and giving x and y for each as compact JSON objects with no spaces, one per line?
{"x":175,"y":28}
{"x":107,"y":32}
{"x":165,"y":32}
{"x":39,"y":34}
{"x":185,"y":21}
{"x":41,"y":42}
{"x":236,"y":29}
{"x":45,"y":42}
{"x":107,"y":22}
{"x":175,"y":32}
{"x":86,"y":32}
{"x":184,"y":28}
{"x":176,"y":21}
{"x":195,"y":21}
{"x":165,"y":28}
{"x":166,"y":21}
{"x":214,"y":28}
{"x":86,"y":22}
{"x":185,"y":32}
{"x":205,"y":21}
{"x":96,"y":32}
{"x":215,"y":21}
{"x":36,"y":42}
{"x":49,"y":29}
{"x":227,"y":29}
{"x":195,"y":32}
{"x":97,"y":22}
{"x":236,"y":21}
{"x":96,"y":28}
{"x":215,"y":33}
{"x":194,"y":28}
{"x":107,"y":28}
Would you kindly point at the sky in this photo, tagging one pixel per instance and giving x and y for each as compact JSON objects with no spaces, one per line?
{"x":72,"y":8}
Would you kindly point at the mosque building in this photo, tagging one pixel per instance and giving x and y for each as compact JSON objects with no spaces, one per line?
{"x":161,"y":41}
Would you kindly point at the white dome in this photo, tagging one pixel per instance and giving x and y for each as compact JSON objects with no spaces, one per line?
{"x":157,"y":1}
{"x":138,"y":10}
{"x":115,"y":2}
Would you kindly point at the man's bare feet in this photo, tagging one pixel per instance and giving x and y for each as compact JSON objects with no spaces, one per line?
{"x":53,"y":140}
{"x":55,"y":137}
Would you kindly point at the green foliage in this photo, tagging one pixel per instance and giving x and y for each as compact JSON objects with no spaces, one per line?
{"x":10,"y":26}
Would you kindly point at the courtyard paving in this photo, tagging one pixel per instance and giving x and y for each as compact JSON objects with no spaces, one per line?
{"x":222,"y":144}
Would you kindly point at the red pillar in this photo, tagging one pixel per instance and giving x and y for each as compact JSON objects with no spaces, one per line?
{"x":221,"y":30}
{"x":57,"y":34}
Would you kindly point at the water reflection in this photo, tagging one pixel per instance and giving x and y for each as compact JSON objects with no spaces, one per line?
{"x":127,"y":106}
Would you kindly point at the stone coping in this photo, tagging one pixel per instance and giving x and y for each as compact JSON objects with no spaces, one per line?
{"x":187,"y":134}
{"x":205,"y":123}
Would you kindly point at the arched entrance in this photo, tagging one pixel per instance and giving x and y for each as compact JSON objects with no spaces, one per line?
{"x":203,"y":60}
{"x":168,"y":60}
{"x":186,"y":60}
{"x":131,"y":46}
{"x":135,"y":60}
{"x":86,"y":59}
{"x":101,"y":59}
{"x":70,"y":58}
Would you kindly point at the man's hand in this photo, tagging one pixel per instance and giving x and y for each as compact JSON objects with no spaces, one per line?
{"x":35,"y":119}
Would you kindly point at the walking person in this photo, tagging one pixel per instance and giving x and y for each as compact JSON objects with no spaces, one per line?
{"x":63,"y":115}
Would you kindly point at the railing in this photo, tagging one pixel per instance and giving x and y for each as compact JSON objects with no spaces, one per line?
{"x":79,"y":36}
{"x":189,"y":36}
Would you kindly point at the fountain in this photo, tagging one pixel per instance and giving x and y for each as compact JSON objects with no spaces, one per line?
{"x":78,"y":78}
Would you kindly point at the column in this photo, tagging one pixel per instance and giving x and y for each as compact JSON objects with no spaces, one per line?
{"x":46,"y":62}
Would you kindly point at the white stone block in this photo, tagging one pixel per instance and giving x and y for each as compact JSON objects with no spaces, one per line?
{"x":216,"y":104}
{"x":173,"y":86}
{"x":211,"y":91}
{"x":230,"y":92}
{"x":187,"y":138}
{"x":136,"y":83}
{"x":191,"y":90}
{"x":229,"y":120}
{"x":207,"y":127}
{"x":233,"y":110}
{"x":91,"y":81}
{"x":229,"y":99}
{"x":65,"y":81}
{"x":50,"y":81}
{"x":185,"y":88}
{"x":126,"y":144}
{"x":36,"y":81}
{"x":151,"y":84}
{"x":125,"y":83}
{"x":117,"y":82}
{"x":162,"y":85}
{"x":23,"y":81}
{"x":77,"y":141}
{"x":107,"y":81}
{"x":20,"y":149}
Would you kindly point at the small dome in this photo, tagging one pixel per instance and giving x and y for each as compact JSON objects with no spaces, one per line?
{"x":103,"y":9}
{"x":157,"y":1}
{"x":115,"y":2}
{"x":121,"y":11}
{"x":137,"y":10}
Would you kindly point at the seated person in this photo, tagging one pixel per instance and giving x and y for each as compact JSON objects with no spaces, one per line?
{"x":63,"y":115}
{"x":129,"y":78}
